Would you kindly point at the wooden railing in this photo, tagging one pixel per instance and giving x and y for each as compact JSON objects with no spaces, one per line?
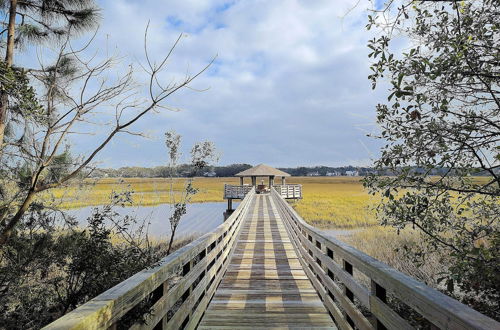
{"x":359,"y":291}
{"x":289,"y":191}
{"x":178,"y":288}
{"x":236,"y":192}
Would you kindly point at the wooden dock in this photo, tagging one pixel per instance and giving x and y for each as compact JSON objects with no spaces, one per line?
{"x":265,"y":285}
{"x":265,"y":267}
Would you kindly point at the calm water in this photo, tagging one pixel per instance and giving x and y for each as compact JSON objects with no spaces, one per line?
{"x":201,"y":218}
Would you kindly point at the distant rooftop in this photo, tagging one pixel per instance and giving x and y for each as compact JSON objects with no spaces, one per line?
{"x":262,"y":170}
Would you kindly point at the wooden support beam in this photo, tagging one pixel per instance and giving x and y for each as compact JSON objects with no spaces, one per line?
{"x":380,"y":293}
{"x":271,"y":181}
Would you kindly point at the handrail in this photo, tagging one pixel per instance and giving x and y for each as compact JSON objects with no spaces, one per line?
{"x":236,"y":192}
{"x":316,"y":251}
{"x":292,"y":191}
{"x":180,"y":286}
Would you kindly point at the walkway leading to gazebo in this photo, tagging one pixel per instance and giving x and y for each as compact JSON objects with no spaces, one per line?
{"x":287,"y":191}
{"x":265,"y":285}
{"x":265,"y":267}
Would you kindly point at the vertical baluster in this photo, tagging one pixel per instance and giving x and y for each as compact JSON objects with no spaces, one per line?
{"x":381,"y":294}
{"x":329,"y":254}
{"x":322,"y":247}
{"x":348,"y":269}
{"x":191,"y":288}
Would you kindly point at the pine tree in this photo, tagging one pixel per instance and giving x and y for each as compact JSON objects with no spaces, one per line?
{"x":38,"y":21}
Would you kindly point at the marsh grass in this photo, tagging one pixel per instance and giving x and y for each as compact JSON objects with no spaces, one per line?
{"x":329,"y":202}
{"x":145,"y":191}
{"x":394,"y":249}
{"x":335,"y":202}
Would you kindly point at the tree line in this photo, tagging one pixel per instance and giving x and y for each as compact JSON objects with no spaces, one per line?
{"x":187,"y":170}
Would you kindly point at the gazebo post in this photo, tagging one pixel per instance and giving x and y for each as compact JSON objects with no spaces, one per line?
{"x":262,"y":171}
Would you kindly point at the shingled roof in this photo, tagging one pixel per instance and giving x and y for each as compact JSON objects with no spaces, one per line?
{"x":262,"y":170}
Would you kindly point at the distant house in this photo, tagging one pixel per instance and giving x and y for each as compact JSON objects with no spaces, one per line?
{"x":352,"y":173}
{"x":313,"y":173}
{"x":210,"y":174}
{"x":334,"y":173}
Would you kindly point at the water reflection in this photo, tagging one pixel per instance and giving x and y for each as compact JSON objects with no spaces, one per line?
{"x":201,"y":218}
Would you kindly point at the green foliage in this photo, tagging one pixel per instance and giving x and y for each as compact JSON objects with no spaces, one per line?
{"x":442,"y":115}
{"x":22,"y":97}
{"x":29,"y":154}
{"x":49,"y":20}
{"x":44,"y":271}
{"x":59,"y":167}
{"x":202,"y":154}
{"x":45,"y":274}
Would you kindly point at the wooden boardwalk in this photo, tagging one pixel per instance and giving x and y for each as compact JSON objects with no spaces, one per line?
{"x":265,"y":285}
{"x":247,"y":274}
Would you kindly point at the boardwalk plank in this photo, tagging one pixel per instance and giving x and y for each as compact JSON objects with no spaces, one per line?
{"x":265,"y":285}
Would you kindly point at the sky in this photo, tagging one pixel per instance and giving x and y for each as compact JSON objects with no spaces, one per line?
{"x":288,"y":86}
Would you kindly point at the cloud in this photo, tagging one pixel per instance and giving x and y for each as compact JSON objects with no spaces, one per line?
{"x":288,"y":86}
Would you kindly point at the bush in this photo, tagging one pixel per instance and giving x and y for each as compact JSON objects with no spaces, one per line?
{"x":44,"y":273}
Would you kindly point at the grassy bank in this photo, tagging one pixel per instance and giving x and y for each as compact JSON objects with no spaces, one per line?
{"x":339,"y":202}
{"x":329,"y":202}
{"x":145,"y":191}
{"x":391,"y":247}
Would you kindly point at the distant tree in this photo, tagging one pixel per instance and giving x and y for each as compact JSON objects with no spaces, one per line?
{"x":230,"y":170}
{"x":442,"y":118}
{"x":35,"y":22}
{"x":202,"y":154}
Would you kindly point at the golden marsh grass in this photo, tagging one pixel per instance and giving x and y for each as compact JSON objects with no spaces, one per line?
{"x":145,"y":191}
{"x":339,"y":202}
{"x":386,"y":244}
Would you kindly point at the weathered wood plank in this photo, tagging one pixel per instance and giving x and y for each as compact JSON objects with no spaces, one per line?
{"x":106,"y":309}
{"x":265,"y":285}
{"x":436,"y":307}
{"x":359,"y":291}
{"x":271,"y":267}
{"x":359,"y":319}
{"x":389,"y":318}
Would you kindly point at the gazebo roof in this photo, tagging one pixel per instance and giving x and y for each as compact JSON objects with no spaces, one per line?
{"x":262,"y":170}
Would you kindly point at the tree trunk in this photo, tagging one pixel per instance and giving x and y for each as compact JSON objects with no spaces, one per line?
{"x":9,"y":58}
{"x":7,"y":230}
{"x":171,"y":240}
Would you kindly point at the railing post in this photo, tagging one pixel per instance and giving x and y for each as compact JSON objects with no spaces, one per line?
{"x":348,"y":269}
{"x":380,"y":293}
{"x":191,"y":265}
{"x":324,"y":251}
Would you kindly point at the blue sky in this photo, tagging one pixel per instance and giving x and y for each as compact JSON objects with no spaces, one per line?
{"x":288,"y":88}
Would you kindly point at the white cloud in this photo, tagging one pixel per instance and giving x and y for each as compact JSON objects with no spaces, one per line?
{"x":288,"y":88}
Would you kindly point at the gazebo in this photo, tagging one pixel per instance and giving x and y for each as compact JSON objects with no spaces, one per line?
{"x":262,"y":170}
{"x":288,"y":191}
